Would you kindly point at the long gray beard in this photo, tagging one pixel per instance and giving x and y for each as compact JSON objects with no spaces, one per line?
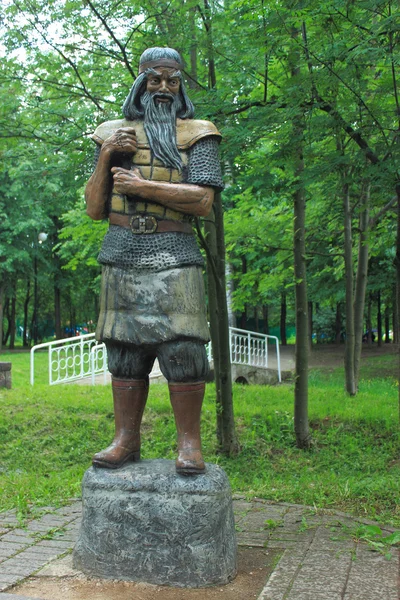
{"x":160,"y":127}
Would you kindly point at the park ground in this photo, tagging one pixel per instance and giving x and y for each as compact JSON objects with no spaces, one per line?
{"x":48,"y":435}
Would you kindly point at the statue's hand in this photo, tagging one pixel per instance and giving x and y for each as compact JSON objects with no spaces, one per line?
{"x":123,"y":140}
{"x":127,"y":182}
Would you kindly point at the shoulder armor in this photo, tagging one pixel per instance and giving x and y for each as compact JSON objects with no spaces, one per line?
{"x":188,"y":131}
{"x":106,"y":129}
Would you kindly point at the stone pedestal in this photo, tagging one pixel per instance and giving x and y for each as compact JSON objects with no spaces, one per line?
{"x":145,"y":523}
{"x":5,"y":375}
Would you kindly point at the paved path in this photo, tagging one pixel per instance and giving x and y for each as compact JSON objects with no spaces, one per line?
{"x":320,"y":559}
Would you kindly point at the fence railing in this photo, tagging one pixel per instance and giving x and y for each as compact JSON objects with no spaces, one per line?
{"x":69,"y":359}
{"x":78,"y":357}
{"x":251,"y":348}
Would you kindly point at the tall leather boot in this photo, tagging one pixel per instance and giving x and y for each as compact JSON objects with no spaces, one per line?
{"x":186,"y":400}
{"x":130,"y":397}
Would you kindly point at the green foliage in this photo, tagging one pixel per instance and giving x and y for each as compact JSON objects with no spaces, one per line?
{"x":66,"y":66}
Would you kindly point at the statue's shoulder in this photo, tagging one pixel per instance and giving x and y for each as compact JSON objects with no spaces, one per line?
{"x":106,"y":129}
{"x":190,"y":131}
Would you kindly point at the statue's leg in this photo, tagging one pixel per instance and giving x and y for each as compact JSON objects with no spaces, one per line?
{"x":185,"y":365}
{"x":130,"y":367}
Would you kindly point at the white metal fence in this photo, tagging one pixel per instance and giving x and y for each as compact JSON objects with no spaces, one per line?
{"x":69,"y":359}
{"x":78,"y":357}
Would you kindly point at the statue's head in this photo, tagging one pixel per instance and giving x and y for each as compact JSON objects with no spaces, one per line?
{"x":158,"y":97}
{"x":160,"y":78}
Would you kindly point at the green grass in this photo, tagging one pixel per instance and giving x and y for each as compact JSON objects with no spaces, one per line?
{"x":49,"y":434}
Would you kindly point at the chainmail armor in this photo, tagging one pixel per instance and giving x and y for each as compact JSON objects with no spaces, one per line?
{"x":162,"y":251}
{"x":96,"y":156}
{"x":204,"y":164}
{"x":149,"y":252}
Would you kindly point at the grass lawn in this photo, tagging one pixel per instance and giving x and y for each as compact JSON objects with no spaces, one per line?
{"x":49,"y":434}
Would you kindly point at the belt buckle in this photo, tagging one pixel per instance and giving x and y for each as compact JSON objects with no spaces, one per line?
{"x":143,"y":224}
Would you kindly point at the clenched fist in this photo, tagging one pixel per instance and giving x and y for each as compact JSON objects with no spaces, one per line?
{"x":127,"y":182}
{"x":123,"y":140}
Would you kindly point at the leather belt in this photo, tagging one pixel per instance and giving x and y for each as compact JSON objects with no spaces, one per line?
{"x":144,"y":224}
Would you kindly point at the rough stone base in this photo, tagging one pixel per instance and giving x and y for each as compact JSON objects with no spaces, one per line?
{"x":145,"y":523}
{"x":5,"y":375}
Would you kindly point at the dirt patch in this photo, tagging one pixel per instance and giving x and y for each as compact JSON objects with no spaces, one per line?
{"x":255,"y":565}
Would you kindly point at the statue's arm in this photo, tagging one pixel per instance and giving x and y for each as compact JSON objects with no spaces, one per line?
{"x":184,"y":197}
{"x":98,"y":188}
{"x":194,"y":197}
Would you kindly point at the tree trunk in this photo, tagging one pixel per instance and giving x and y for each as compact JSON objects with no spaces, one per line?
{"x":13,"y":318}
{"x":229,"y":293}
{"x":192,"y":81}
{"x":310,"y":324}
{"x":361,"y":282}
{"x":397,"y":265}
{"x":369,"y":321}
{"x":351,"y":385}
{"x":379,"y":319}
{"x":6,"y":314}
{"x":243,"y":316}
{"x":223,"y":379}
{"x":387,"y":325}
{"x":283,"y":319}
{"x":1,"y":314}
{"x":57,"y":312}
{"x":26,"y":308}
{"x":395,"y":328}
{"x":213,"y":312}
{"x":265,"y":320}
{"x":256,"y":321}
{"x":338,"y":324}
{"x":301,"y":426}
{"x":34,"y":324}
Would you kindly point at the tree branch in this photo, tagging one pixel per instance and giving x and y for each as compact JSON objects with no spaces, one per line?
{"x":113,"y":37}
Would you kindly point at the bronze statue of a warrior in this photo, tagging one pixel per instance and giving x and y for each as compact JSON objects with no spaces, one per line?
{"x":156,"y":170}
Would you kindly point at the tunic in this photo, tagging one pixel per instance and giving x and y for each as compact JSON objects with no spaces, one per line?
{"x":152,"y":285}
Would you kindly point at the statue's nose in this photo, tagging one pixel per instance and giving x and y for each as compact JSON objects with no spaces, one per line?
{"x":164,"y":87}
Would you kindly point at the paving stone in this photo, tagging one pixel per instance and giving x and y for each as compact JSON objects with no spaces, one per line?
{"x":54,"y":518}
{"x":284,"y":535}
{"x":367,"y":596}
{"x":23,"y":569}
{"x":9,"y":548}
{"x":19,"y":532}
{"x":373,"y":575}
{"x":259,"y":540}
{"x":240,"y":506}
{"x":255,"y":521}
{"x":10,"y":579}
{"x":19,"y":539}
{"x":15,"y":565}
{"x":69,"y":537}
{"x":320,"y":545}
{"x":71,"y":510}
{"x":37,"y":527}
{"x":281,"y":544}
{"x":311,"y":595}
{"x":5,"y":596}
{"x":58,"y":544}
{"x":61,"y":567}
{"x":319,"y":582}
{"x":336,"y":560}
{"x":39,"y":550}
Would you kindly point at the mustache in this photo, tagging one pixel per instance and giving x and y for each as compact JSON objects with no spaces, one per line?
{"x":163,"y":96}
